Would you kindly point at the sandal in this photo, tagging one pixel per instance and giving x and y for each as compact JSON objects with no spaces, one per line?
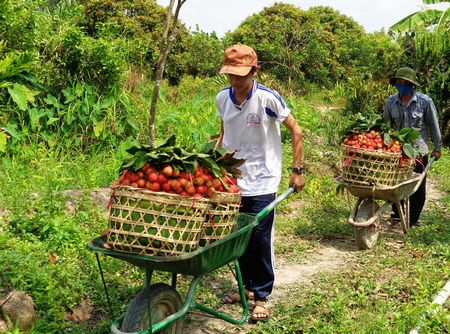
{"x":391,"y":222}
{"x":260,"y":311}
{"x":235,"y":297}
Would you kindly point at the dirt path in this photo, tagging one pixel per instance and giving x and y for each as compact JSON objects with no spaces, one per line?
{"x":330,"y":257}
{"x":327,"y":259}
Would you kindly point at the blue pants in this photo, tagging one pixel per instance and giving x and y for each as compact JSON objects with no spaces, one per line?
{"x":257,"y":262}
{"x":416,"y":200}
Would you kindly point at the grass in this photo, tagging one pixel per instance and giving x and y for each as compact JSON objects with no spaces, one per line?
{"x":387,"y":289}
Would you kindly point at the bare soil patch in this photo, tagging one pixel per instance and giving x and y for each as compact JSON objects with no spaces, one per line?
{"x":326,"y":259}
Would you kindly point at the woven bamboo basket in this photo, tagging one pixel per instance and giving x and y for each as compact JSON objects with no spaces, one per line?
{"x":154,"y":223}
{"x":374,"y":168}
{"x":221,"y":217}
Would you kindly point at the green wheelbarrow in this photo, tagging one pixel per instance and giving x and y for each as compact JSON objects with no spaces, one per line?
{"x":158,"y":307}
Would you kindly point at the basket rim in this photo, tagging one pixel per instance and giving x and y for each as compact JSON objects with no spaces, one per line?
{"x":217,"y":194}
{"x":372,"y":152}
{"x":150,"y":192}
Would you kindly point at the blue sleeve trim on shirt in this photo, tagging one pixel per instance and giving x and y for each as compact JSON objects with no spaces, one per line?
{"x":274,"y":93}
{"x":270,"y":112}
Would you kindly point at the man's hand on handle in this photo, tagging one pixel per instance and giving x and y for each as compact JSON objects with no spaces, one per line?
{"x":298,"y":181}
{"x":436,"y":155}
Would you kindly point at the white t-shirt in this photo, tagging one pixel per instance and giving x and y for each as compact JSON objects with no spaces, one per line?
{"x":253,"y":130}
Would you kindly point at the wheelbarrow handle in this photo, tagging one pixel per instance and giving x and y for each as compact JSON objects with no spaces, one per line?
{"x":429,"y":164}
{"x":422,"y":175}
{"x":273,"y":204}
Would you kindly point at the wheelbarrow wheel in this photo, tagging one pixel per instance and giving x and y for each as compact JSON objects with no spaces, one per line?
{"x":162,"y":300}
{"x":366,"y":236}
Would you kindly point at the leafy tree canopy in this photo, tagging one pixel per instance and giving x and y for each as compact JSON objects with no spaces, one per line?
{"x":131,"y":18}
{"x":309,"y":46}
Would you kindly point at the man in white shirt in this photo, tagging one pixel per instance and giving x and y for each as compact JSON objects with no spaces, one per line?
{"x":251,"y":115}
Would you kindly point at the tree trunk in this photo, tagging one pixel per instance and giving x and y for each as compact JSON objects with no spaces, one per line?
{"x":167,"y":39}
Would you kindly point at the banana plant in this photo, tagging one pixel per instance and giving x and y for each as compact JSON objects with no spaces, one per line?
{"x":425,"y":17}
{"x":12,"y":69}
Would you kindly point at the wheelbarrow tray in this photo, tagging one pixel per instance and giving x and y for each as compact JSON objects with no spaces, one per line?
{"x":196,"y":263}
{"x":394,"y":193}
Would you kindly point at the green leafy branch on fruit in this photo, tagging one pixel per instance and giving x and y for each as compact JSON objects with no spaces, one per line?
{"x":362,"y":124}
{"x":218,"y":160}
{"x":222,"y":159}
{"x":405,"y":136}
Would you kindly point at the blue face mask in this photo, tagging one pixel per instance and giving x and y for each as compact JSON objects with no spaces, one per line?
{"x":404,"y":90}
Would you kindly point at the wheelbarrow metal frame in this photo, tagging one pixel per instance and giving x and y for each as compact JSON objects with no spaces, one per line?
{"x":398,"y":194}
